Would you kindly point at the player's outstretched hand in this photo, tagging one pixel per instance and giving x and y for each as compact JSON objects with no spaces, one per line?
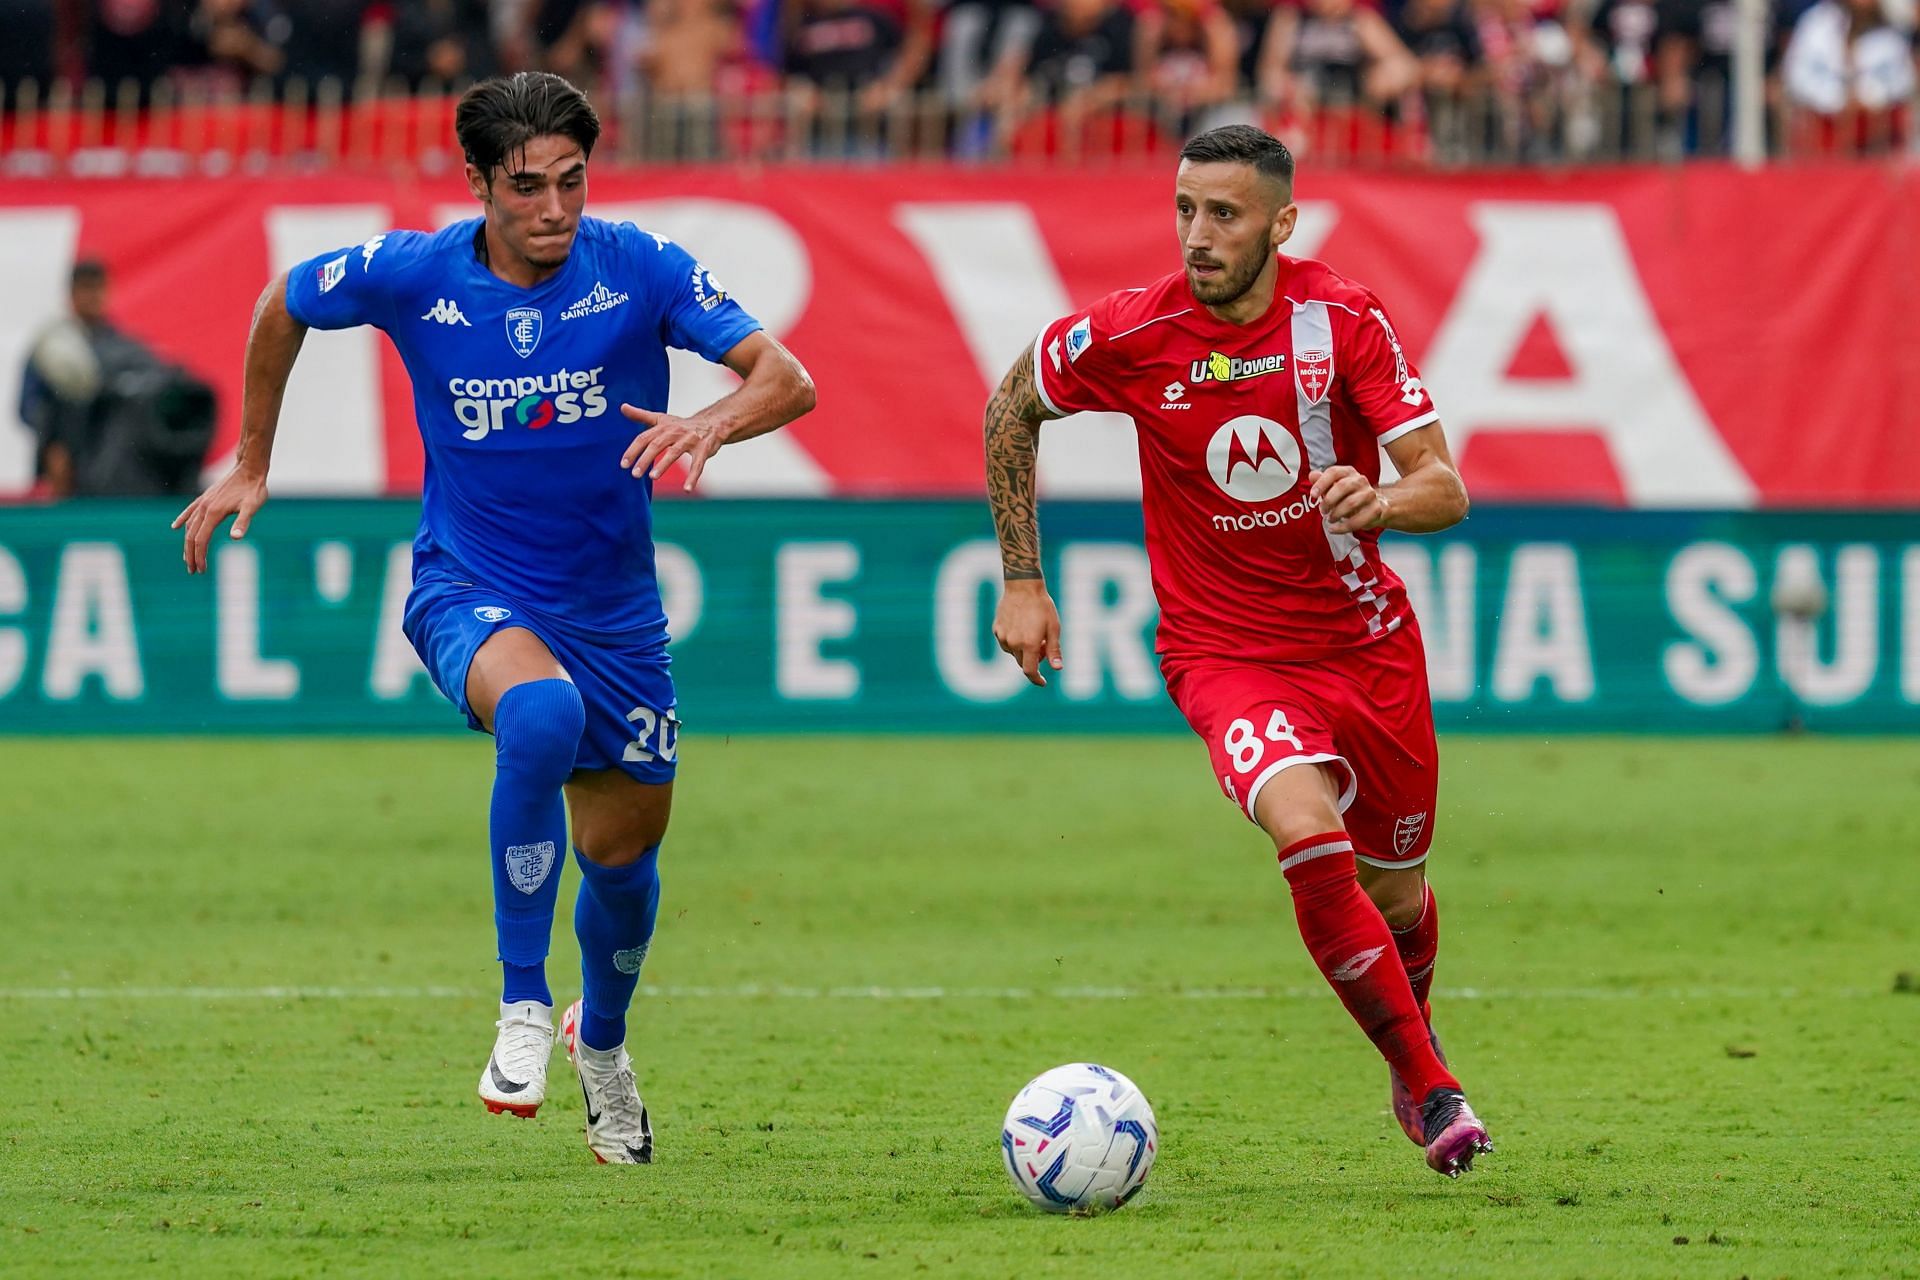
{"x":666,"y":439}
{"x":1028,"y":627}
{"x":239,"y":494}
{"x":1348,"y":500}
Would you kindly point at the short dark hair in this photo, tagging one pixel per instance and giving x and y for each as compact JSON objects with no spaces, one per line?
{"x":497,"y":118}
{"x":87,"y":271}
{"x":1243,"y":144}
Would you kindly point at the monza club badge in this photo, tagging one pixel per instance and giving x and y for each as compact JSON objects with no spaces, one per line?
{"x":523,"y":330}
{"x":1313,"y":372}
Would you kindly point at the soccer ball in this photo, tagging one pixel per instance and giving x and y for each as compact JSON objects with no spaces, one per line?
{"x":1079,"y":1137}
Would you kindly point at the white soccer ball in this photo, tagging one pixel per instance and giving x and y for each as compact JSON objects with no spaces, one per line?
{"x":1079,"y":1137}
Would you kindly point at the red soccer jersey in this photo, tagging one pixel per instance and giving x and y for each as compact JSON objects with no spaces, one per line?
{"x":1231,"y":418}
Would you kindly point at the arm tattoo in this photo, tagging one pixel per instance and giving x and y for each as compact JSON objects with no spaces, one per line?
{"x":1014,"y":415}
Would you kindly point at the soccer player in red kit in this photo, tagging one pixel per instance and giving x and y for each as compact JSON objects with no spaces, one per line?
{"x":1262,"y":389}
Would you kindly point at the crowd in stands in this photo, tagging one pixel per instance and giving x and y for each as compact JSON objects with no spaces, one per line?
{"x":1047,"y":71}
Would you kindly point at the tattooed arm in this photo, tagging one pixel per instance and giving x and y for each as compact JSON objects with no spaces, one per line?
{"x":1026,"y":624}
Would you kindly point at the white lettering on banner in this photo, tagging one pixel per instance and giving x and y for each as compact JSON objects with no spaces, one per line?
{"x":13,"y":640}
{"x":332,"y":571}
{"x":36,"y":253}
{"x":992,"y":265}
{"x":1909,"y":626}
{"x":1543,"y":627}
{"x":745,"y":245}
{"x":1445,"y":612}
{"x":1719,"y":663}
{"x":994,"y":269}
{"x":682,"y":593}
{"x":1571,"y":264}
{"x":804,"y":619}
{"x":240,"y":672}
{"x":332,"y":435}
{"x":395,"y":665}
{"x":1106,"y":608}
{"x":975,"y":672}
{"x":1854,"y":606}
{"x":92,"y":632}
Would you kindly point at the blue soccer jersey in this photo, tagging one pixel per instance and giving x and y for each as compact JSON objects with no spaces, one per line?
{"x":517,"y":394}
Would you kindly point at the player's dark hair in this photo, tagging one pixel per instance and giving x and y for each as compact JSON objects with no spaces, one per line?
{"x":88,"y":271}
{"x":1243,"y":144}
{"x":497,"y":118}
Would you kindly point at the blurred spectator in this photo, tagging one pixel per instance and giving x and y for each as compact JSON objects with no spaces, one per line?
{"x":132,"y":40}
{"x":441,"y":41}
{"x":1615,"y":45}
{"x":846,"y":45}
{"x":1445,"y":42}
{"x":1853,"y":68}
{"x":107,"y":415}
{"x":27,"y":51}
{"x":562,"y":36}
{"x":1250,"y":19}
{"x":1081,"y":61}
{"x":1333,"y":52}
{"x":684,"y":44}
{"x":841,"y":44}
{"x":1189,"y":52}
{"x":1529,"y":62}
{"x":976,"y":36}
{"x":324,"y":38}
{"x":227,"y":44}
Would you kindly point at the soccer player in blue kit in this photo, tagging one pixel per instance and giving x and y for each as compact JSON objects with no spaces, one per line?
{"x":535,"y":605}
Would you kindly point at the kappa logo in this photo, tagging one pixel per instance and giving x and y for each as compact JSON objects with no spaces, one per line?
{"x":1053,"y":353}
{"x":523,"y":330}
{"x":446,"y":311}
{"x":370,"y":248}
{"x":528,"y":864}
{"x":1220,"y":367}
{"x":1313,"y":374}
{"x":332,"y":273}
{"x":1254,"y":459}
{"x":492,"y":613}
{"x":1354,"y":967}
{"x":1079,"y":338}
{"x":600,"y":299}
{"x":1406,"y":832}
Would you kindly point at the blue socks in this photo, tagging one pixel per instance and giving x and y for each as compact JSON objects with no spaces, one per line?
{"x":613,"y":917}
{"x":536,"y":730}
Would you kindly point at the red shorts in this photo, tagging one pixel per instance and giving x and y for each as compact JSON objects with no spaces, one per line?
{"x":1366,"y":713}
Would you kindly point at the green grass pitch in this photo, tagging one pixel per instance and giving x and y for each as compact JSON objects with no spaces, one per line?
{"x":1669,"y":978}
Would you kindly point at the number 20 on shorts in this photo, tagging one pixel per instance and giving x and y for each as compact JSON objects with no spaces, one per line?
{"x":1248,"y":747}
{"x":657,"y":736}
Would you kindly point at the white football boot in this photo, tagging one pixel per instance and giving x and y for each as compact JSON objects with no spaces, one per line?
{"x":618,"y":1130}
{"x":515,"y":1077}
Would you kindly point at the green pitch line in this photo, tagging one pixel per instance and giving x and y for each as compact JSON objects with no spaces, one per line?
{"x":1677,"y":977}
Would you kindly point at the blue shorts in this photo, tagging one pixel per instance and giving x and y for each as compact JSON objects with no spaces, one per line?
{"x":631,"y":721}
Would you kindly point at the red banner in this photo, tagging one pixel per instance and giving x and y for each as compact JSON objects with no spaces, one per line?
{"x":1676,"y":337}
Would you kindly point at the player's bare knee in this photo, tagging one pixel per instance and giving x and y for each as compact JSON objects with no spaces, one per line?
{"x":616,"y":819}
{"x":618,"y":844}
{"x":1400,"y":895}
{"x":1296,"y":804}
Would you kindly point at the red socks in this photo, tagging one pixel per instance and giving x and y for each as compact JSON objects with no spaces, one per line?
{"x":1350,"y":942}
{"x":1419,"y":943}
